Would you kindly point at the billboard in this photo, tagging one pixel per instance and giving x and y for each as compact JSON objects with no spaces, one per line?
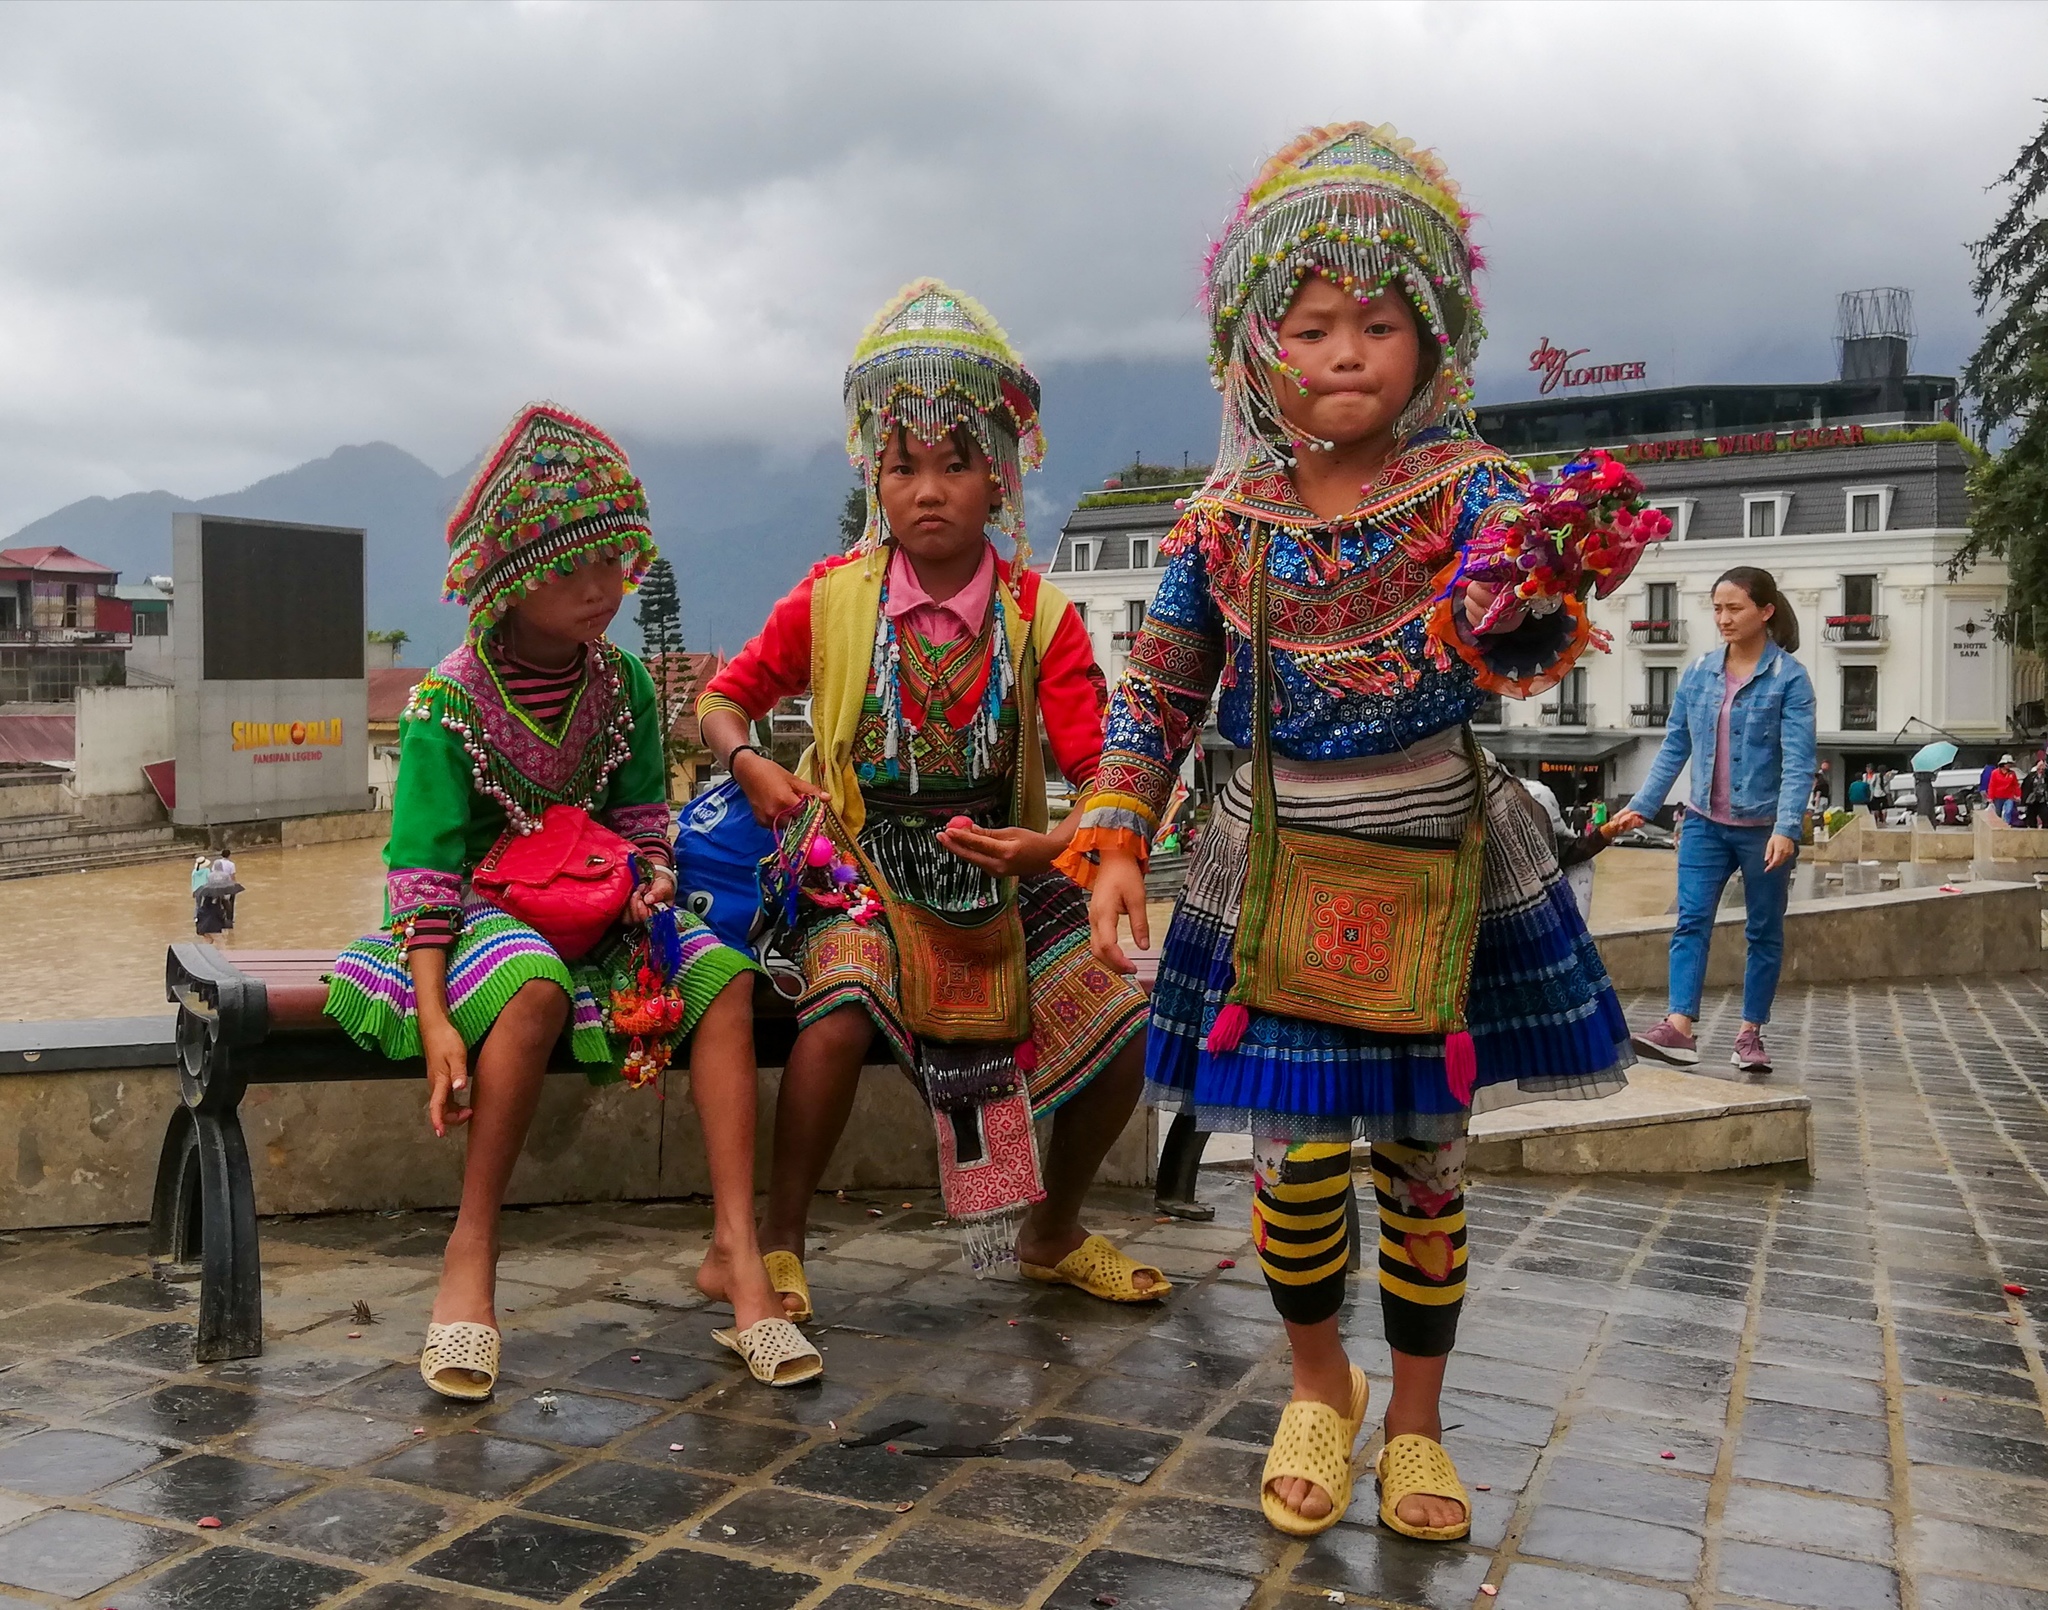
{"x":268,"y":654}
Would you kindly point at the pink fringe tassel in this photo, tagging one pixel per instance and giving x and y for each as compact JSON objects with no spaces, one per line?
{"x":1461,"y":1066}
{"x":1026,"y":1056}
{"x":1228,"y":1028}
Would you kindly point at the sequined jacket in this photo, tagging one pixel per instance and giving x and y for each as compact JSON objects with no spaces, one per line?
{"x":1370,"y":649}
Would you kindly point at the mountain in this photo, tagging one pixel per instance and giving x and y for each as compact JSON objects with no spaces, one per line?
{"x":739,"y":521}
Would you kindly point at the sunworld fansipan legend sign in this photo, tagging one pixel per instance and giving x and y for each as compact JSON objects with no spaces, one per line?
{"x":1554,"y":364}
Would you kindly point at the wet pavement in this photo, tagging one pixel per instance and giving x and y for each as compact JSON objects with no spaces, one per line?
{"x":1750,"y":1390}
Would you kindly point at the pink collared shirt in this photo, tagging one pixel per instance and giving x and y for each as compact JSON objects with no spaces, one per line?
{"x":940,"y":620}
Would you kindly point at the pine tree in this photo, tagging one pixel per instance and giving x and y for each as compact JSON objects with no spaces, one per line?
{"x":2007,"y":378}
{"x":853,"y":516}
{"x":661,"y":635}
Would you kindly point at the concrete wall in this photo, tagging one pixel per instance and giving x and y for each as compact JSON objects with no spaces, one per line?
{"x":121,"y":730}
{"x":81,"y":1148}
{"x":1909,"y":933}
{"x":297,"y":830}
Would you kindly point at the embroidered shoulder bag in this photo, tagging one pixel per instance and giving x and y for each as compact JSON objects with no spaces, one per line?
{"x":1364,"y":933}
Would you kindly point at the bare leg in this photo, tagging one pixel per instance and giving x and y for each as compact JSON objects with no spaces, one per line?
{"x":818,"y":1087}
{"x":1322,"y":1373}
{"x":1416,"y":1409}
{"x":1082,"y":1133}
{"x":723,"y":1087}
{"x":504,"y":1091}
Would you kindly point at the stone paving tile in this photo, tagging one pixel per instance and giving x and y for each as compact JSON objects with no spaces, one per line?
{"x":1719,"y":1392}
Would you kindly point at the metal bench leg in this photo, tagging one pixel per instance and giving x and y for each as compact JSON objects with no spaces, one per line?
{"x":205,"y":1208}
{"x":1354,"y":1230}
{"x":203,"y":1223}
{"x":1180,"y":1164}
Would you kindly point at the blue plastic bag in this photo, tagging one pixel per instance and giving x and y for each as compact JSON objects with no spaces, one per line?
{"x":719,"y":847}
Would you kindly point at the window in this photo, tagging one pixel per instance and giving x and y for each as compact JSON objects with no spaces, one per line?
{"x":1859,"y":698}
{"x":152,"y":624}
{"x":1764,"y":515}
{"x":1571,"y":699}
{"x":70,"y":603}
{"x":1659,"y":683}
{"x":1661,"y":625}
{"x":1489,"y":713}
{"x":1134,"y":615}
{"x":1084,"y":555}
{"x":1679,"y":512}
{"x":1870,"y":507}
{"x":1859,"y":595}
{"x":1141,"y":553}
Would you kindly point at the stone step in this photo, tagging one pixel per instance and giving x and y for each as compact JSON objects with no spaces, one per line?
{"x":92,"y":859}
{"x":35,"y":827}
{"x":85,"y":841}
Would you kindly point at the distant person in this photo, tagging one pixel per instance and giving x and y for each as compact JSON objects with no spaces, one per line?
{"x":1744,"y":716}
{"x":221,"y":885}
{"x":2034,"y":794}
{"x":200,"y":868}
{"x":1575,"y":851}
{"x":2003,"y":791}
{"x":1953,"y":813}
{"x":1859,"y":787}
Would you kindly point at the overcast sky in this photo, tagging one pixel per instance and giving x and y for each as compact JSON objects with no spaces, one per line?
{"x":234,"y":237}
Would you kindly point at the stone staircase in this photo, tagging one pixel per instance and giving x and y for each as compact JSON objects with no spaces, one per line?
{"x":33,"y":845}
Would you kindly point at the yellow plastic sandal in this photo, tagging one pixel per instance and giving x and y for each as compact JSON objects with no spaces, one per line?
{"x":1413,"y":1465}
{"x":461,"y":1360}
{"x":1314,"y":1442}
{"x":1096,"y":1267}
{"x":786,"y":1275}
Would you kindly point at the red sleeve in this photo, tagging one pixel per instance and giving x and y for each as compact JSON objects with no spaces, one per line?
{"x":1073,"y":700}
{"x":775,"y":665}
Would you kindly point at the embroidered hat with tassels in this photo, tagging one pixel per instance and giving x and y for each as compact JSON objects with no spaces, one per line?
{"x":556,"y":492}
{"x":932,"y":361}
{"x":1361,"y":206}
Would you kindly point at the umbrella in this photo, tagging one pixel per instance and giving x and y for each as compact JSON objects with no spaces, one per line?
{"x":1934,"y":756}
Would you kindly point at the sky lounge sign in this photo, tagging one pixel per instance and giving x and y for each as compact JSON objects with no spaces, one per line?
{"x":1554,"y":364}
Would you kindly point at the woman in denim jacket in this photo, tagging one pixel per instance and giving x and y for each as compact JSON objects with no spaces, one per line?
{"x":1744,"y":716}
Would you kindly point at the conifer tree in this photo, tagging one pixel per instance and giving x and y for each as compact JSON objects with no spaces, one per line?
{"x":853,"y":516}
{"x":661,"y":634}
{"x":2007,"y":378}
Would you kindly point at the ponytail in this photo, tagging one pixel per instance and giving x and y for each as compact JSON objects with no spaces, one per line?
{"x":1762,"y":588}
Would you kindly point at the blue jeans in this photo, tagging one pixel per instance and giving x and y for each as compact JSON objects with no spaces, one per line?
{"x":1708,"y":856}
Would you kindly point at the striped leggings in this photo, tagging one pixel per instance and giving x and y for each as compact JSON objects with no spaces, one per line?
{"x":1298,"y":1224}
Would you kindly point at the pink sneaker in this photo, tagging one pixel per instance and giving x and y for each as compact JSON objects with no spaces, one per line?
{"x":1665,"y":1044}
{"x":1750,"y":1055}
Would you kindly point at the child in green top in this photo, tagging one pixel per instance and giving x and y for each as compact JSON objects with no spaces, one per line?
{"x":537,"y":709}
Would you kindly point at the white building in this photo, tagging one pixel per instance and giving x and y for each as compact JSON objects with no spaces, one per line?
{"x":1857,"y":524}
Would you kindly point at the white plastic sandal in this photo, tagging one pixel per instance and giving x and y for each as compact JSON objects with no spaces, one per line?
{"x":456,"y":1355}
{"x":776,"y":1353}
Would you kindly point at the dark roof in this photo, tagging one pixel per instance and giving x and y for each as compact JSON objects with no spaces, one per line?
{"x":1547,"y":743}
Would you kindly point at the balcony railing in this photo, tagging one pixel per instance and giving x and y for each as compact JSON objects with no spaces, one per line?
{"x":1566,"y":715}
{"x":1871,"y":630}
{"x":60,"y":637}
{"x":1649,"y":715}
{"x":1657,"y":634}
{"x":1123,"y":639}
{"x":1859,"y":718}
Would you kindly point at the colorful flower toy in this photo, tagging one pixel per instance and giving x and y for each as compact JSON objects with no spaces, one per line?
{"x":650,"y":1011}
{"x":1582,"y":533}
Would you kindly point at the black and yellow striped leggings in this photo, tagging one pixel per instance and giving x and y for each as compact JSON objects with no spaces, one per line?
{"x":1298,"y":1225}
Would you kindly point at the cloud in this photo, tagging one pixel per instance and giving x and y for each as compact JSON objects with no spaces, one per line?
{"x":233,"y":237}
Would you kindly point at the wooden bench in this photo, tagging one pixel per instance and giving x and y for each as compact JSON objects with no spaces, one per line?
{"x":257,"y":1017}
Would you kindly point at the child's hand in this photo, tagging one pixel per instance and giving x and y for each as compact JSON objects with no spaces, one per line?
{"x":772,"y":790}
{"x":1008,"y":852}
{"x":1119,"y":892}
{"x":447,"y":1074}
{"x":1615,"y":826}
{"x":658,"y":890}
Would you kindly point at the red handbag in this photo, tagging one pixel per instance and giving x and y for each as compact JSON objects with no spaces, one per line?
{"x":568,"y":880}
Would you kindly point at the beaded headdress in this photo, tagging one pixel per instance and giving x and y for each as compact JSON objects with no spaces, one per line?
{"x":1365,"y":208}
{"x":554,"y":493}
{"x":931,"y":361}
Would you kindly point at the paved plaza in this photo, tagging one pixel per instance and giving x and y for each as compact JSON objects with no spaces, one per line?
{"x":1744,"y":1390}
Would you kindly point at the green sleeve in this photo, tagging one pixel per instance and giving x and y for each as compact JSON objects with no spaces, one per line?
{"x":643,"y":779}
{"x":430,"y":806}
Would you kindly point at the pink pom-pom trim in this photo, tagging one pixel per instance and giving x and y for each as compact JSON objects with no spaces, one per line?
{"x":1461,"y":1066}
{"x":1228,"y":1028}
